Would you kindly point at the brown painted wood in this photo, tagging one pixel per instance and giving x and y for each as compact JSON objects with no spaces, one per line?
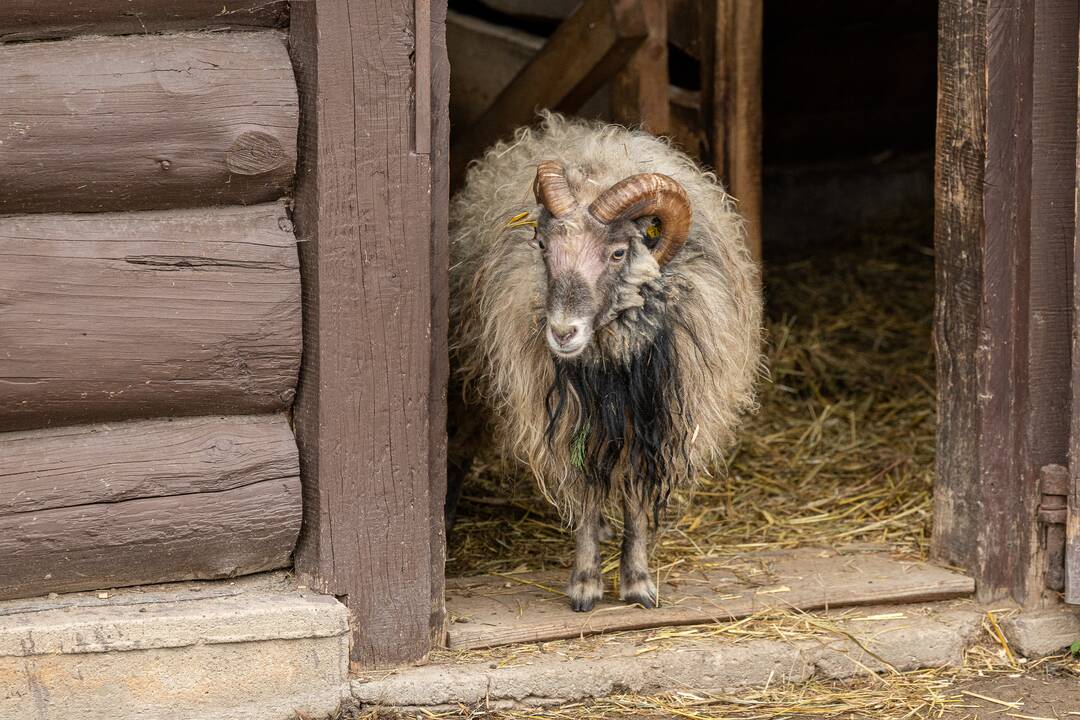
{"x":40,"y":19}
{"x":586,"y":50}
{"x":109,"y":316}
{"x":488,"y":611}
{"x":146,"y":122}
{"x":1006,"y":149}
{"x":639,"y":92}
{"x":440,"y":312}
{"x":732,"y":101}
{"x":98,"y":506}
{"x":364,"y":214}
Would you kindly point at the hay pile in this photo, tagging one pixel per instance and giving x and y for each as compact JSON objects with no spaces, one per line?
{"x":841,"y":452}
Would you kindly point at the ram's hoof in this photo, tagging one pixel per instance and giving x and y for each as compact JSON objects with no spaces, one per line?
{"x":638,"y":589}
{"x":585,"y":590}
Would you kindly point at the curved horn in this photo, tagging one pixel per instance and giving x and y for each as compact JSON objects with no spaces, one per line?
{"x":552,"y":190}
{"x":649,"y":194}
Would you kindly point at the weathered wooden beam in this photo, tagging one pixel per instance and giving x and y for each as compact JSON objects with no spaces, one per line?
{"x":97,"y":506}
{"x":48,"y":19}
{"x":1049,"y":280}
{"x":366,"y":209}
{"x":639,"y":91}
{"x":1071,"y":571}
{"x":440,"y":315}
{"x":732,"y":77}
{"x":111,"y":316}
{"x":1006,"y":150}
{"x":587,"y":49}
{"x":486,"y":57}
{"x":146,"y":122}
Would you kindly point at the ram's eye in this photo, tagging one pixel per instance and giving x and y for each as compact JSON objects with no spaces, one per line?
{"x":618,"y":255}
{"x":540,"y":243}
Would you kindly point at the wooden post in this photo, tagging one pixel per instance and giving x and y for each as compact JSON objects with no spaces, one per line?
{"x":732,"y":76}
{"x":366,"y":206}
{"x":639,"y":92}
{"x":1006,"y":149}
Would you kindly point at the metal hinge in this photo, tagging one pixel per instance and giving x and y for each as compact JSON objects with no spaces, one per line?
{"x":1053,"y":512}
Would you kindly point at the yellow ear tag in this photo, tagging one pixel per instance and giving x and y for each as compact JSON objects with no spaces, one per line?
{"x":653,"y":232}
{"x":520,"y":220}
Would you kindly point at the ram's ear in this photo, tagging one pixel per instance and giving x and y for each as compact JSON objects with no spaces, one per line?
{"x":649,"y":230}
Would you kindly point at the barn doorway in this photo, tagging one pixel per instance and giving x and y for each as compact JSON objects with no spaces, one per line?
{"x":840,"y":458}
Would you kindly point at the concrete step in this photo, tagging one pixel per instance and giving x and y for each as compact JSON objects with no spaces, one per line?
{"x":841,"y":644}
{"x":256,"y":648}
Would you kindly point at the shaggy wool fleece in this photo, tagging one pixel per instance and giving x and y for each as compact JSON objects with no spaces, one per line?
{"x":498,"y":293}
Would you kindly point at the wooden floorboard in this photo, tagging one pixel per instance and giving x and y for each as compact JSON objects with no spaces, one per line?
{"x":493,"y":610}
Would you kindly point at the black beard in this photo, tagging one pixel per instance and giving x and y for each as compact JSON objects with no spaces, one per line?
{"x":627,"y":409}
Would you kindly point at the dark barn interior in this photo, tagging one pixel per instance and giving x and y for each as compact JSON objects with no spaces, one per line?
{"x":842,"y":451}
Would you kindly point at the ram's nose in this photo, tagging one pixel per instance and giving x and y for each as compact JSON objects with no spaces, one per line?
{"x":567,"y":337}
{"x":563,"y":332}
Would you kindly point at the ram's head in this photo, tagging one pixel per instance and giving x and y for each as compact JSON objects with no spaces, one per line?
{"x":599,"y":255}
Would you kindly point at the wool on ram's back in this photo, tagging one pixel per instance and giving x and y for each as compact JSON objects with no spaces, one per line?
{"x":705,"y":303}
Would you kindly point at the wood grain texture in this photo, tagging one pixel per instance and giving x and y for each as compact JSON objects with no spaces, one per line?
{"x":98,"y":506}
{"x":1072,"y":522}
{"x":110,"y":316}
{"x":1053,"y":229}
{"x":146,"y":122}
{"x":959,"y":247}
{"x":1005,"y":174}
{"x":364,"y":214}
{"x":639,"y":92}
{"x":732,"y":65}
{"x":586,"y":50}
{"x":440,"y":310}
{"x":48,"y":19}
{"x":501,"y":610}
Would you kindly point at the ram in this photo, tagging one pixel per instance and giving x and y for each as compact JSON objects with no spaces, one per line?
{"x":606,"y":315}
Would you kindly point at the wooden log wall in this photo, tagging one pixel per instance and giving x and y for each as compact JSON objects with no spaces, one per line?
{"x":95,"y":506}
{"x":149,"y":294}
{"x":117,"y":315}
{"x":35,"y":19}
{"x":146,"y":122}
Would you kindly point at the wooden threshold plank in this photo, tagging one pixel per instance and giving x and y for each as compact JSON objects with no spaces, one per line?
{"x":492,"y":610}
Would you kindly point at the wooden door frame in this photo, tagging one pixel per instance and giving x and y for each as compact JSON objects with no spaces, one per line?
{"x":371,"y":219}
{"x":1004,"y":227}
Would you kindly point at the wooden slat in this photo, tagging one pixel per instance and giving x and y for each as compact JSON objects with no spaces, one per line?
{"x":440,"y":311}
{"x":1072,"y":524}
{"x":146,"y":122}
{"x":1053,"y":188}
{"x":112,"y":316}
{"x":586,"y":51}
{"x":639,"y":92}
{"x":499,"y":610}
{"x":732,"y":102}
{"x":959,"y":252}
{"x":364,"y":215}
{"x":98,"y":506}
{"x":41,"y":19}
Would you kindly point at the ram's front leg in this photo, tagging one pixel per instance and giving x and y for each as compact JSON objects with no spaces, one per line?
{"x":586,"y":583}
{"x":635,"y":581}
